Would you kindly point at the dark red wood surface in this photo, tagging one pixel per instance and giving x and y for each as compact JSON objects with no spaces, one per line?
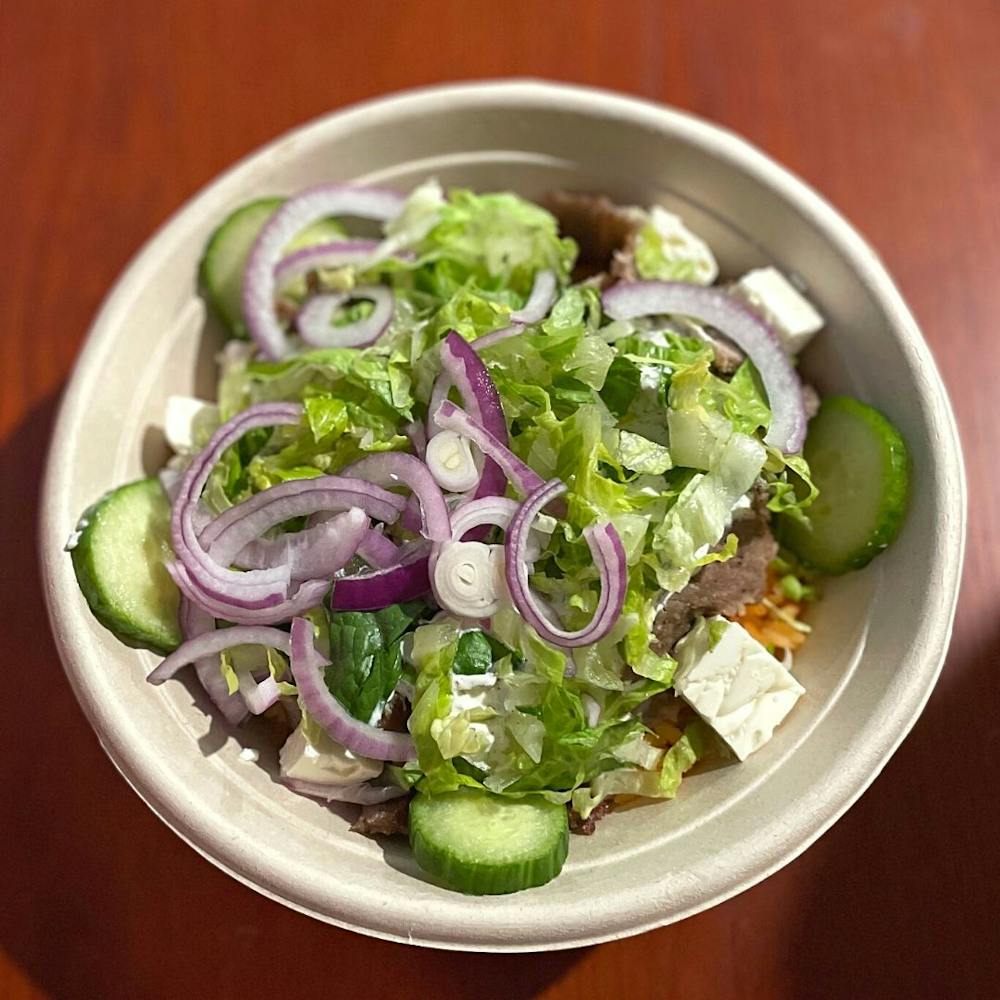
{"x":112,"y":114}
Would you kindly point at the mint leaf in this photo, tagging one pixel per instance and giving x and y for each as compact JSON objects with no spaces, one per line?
{"x":474,"y":655}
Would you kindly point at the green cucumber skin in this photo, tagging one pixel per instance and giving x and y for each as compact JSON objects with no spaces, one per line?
{"x":165,"y":636}
{"x":808,"y":543}
{"x":228,"y":236}
{"x":478,"y":878}
{"x":221,"y":306}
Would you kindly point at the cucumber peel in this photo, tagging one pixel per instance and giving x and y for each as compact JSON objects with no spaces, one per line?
{"x":220,"y":272}
{"x":121,"y":545}
{"x":485,"y":844}
{"x":860,"y":464}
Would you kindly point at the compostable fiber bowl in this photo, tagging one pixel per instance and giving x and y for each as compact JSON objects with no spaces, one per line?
{"x":879,"y":635}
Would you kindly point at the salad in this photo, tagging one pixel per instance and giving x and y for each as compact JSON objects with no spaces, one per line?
{"x":504,"y":517}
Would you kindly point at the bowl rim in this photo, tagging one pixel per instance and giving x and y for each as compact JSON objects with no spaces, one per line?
{"x":59,"y":583}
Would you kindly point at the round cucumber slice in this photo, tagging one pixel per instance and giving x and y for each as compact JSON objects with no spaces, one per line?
{"x":225,"y":257}
{"x":860,"y":465}
{"x":486,"y":844}
{"x":122,"y":542}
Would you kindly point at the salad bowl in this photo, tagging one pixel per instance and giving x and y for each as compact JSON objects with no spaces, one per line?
{"x":867,"y":670}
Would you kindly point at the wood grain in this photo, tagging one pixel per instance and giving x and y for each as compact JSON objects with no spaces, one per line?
{"x":112,"y":114}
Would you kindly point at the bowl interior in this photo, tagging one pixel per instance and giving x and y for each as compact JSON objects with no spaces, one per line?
{"x":867,"y":668}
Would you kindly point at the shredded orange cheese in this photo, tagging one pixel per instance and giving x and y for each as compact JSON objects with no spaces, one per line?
{"x":765,"y":626}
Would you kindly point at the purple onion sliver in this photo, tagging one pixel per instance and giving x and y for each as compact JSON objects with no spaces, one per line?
{"x":453,"y":418}
{"x":540,"y":301}
{"x":395,"y":468}
{"x":326,"y":709}
{"x":319,"y":551}
{"x":609,"y":557}
{"x":315,"y":318}
{"x":738,"y":322}
{"x":195,"y":622}
{"x":213,"y":643}
{"x":296,"y":214}
{"x":378,"y":551}
{"x":336,"y":253}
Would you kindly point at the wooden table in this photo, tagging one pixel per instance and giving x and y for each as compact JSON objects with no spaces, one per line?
{"x":112,"y":114}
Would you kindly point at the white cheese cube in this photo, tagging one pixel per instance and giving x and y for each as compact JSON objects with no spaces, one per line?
{"x":791,"y":314}
{"x":326,"y":762}
{"x":184,"y":416}
{"x":734,"y":683}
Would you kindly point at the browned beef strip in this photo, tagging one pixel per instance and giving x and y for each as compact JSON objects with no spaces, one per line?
{"x":599,"y":226}
{"x":722,"y":588}
{"x":396,"y":714}
{"x":588,"y":825}
{"x":384,"y":819}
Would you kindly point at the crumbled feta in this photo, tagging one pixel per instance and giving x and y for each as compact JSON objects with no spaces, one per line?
{"x":326,"y":762}
{"x":793,"y":317}
{"x":734,"y":683}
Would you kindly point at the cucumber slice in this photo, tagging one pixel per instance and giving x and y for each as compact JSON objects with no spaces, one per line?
{"x":486,"y":844}
{"x":224,"y":261}
{"x":860,"y":464}
{"x":122,"y":542}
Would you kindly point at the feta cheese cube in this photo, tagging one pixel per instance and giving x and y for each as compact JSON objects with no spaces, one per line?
{"x":734,"y":683}
{"x":184,"y":416}
{"x":792,"y":315}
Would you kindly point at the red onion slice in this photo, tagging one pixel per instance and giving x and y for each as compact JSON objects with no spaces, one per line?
{"x":297,"y":498}
{"x":259,"y":586}
{"x":395,"y":468}
{"x":496,"y":337}
{"x":371,"y":591}
{"x":540,"y":301}
{"x":359,"y":737}
{"x":489,"y":511}
{"x":315,"y":318}
{"x":361,"y":794}
{"x":309,"y":594}
{"x":259,"y":696}
{"x":609,"y":557}
{"x":213,"y":643}
{"x":316,"y":552}
{"x":450,"y":417}
{"x":379,"y":551}
{"x":337,"y":253}
{"x":738,"y":322}
{"x":195,"y":622}
{"x":296,"y":214}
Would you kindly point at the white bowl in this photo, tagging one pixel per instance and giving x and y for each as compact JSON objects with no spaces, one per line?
{"x":880,"y":634}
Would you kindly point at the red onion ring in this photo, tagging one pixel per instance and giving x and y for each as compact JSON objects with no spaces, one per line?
{"x":259,"y":696}
{"x":299,"y":497}
{"x":336,"y":253}
{"x":540,"y":301}
{"x":339,"y":724}
{"x":257,"y":586}
{"x":195,"y":622}
{"x":296,"y":214}
{"x":450,"y":417}
{"x":361,"y":794}
{"x":609,"y":558}
{"x":316,"y":552}
{"x":406,"y":581}
{"x":395,"y":468}
{"x":378,"y":551}
{"x":315,"y":319}
{"x":738,"y":322}
{"x":496,"y":336}
{"x":213,"y":643}
{"x":308,"y":595}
